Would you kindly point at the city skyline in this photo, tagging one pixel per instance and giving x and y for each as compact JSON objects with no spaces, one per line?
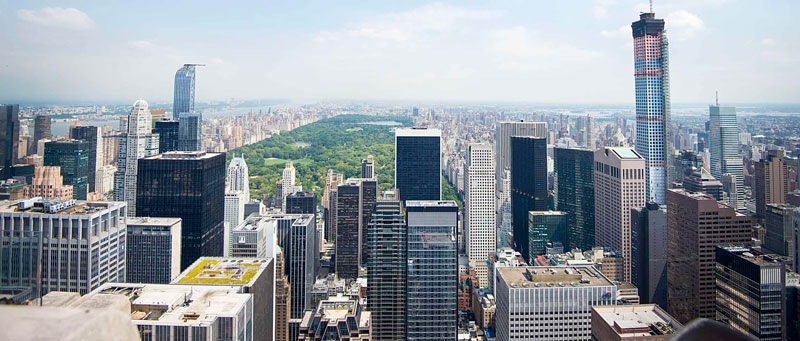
{"x":315,"y":60}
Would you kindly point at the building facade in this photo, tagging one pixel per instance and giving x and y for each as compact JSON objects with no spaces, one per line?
{"x":418,"y":163}
{"x":432,"y":276}
{"x":546,"y":229}
{"x":574,"y":186}
{"x":771,"y":181}
{"x":94,"y":137}
{"x":620,"y":185}
{"x":528,"y":186}
{"x":49,"y":184}
{"x":167,"y":131}
{"x":724,"y":149}
{"x":649,"y":252}
{"x":480,"y":216}
{"x":190,"y":186}
{"x":386,"y":271}
{"x":73,"y":158}
{"x":9,"y":138}
{"x":138,"y":143}
{"x":190,"y":131}
{"x":779,"y":237}
{"x":503,"y":134}
{"x":183,"y":100}
{"x":153,"y":252}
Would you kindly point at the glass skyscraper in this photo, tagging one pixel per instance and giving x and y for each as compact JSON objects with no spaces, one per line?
{"x":94,"y":137}
{"x":724,"y":149}
{"x":190,"y":132}
{"x":651,"y":72}
{"x":386,"y":271}
{"x":546,"y":227}
{"x":167,"y":135}
{"x":418,"y":161}
{"x":9,"y":138}
{"x":574,"y":170}
{"x":73,"y":158}
{"x":528,"y":186}
{"x":432,"y":270}
{"x":184,"y":90}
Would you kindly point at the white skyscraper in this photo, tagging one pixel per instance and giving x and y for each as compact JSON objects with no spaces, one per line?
{"x":238,"y":175}
{"x":237,"y":193}
{"x":288,"y":185}
{"x":479,"y":198}
{"x":140,"y":142}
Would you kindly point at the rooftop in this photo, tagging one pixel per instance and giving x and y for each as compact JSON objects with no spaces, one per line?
{"x":418,"y":131}
{"x":430,"y":203}
{"x":153,"y":221}
{"x":546,"y":213}
{"x":625,"y":152}
{"x":55,"y":206}
{"x":551,"y":276}
{"x":638,"y":320}
{"x":223,"y":271}
{"x":183,"y":155}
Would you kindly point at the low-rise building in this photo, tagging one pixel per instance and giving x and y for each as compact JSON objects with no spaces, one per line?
{"x":633,"y":323}
{"x":337,"y":318}
{"x":153,"y":252}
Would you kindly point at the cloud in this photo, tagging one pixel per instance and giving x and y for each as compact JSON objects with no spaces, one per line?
{"x":622,"y":31}
{"x":67,"y":18}
{"x":600,"y":8}
{"x":768,"y":42}
{"x":520,"y":42}
{"x":683,"y":25}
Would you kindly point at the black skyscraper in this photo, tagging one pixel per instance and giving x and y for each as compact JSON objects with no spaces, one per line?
{"x":73,"y":158}
{"x":9,"y":138}
{"x":369,"y":194}
{"x":41,"y":129}
{"x":90,"y":135}
{"x":190,"y":186}
{"x":302,"y":203}
{"x":167,"y":135}
{"x":418,"y":164}
{"x":347,"y":229}
{"x":386,"y":271}
{"x":528,"y":185}
{"x":575,"y":192}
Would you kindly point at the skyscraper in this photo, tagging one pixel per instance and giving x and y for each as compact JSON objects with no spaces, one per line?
{"x":432,"y":275}
{"x":528,"y":186}
{"x":649,"y":252}
{"x":302,"y":255}
{"x":190,"y":131}
{"x":480,"y":217}
{"x":288,"y":185}
{"x":619,"y":177}
{"x":190,"y":186}
{"x":779,"y":237}
{"x":386,"y":271}
{"x":167,"y":131}
{"x":546,"y":228}
{"x":302,"y":203}
{"x":41,"y":128}
{"x":237,"y":194}
{"x":153,"y":254}
{"x":9,"y":138}
{"x":347,"y":230}
{"x":700,"y":180}
{"x":138,"y":143}
{"x":505,"y":130}
{"x":73,"y":158}
{"x":94,"y":137}
{"x":771,"y":181}
{"x":183,"y":100}
{"x":697,"y":223}
{"x":48,"y":184}
{"x":418,"y":163}
{"x":238,"y":178}
{"x":724,"y":149}
{"x":651,"y":73}
{"x":574,"y":170}
{"x":368,"y":167}
{"x":750,"y":292}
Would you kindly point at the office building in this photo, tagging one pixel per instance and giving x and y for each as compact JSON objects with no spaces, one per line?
{"x":9,"y":138}
{"x":282,"y":299}
{"x":254,"y":276}
{"x":771,"y":181}
{"x":528,"y":186}
{"x":574,"y":186}
{"x":302,"y":203}
{"x":153,"y":253}
{"x":386,"y":271}
{"x":633,"y":322}
{"x":183,"y":100}
{"x":549,"y":303}
{"x":190,"y":186}
{"x":190,"y":131}
{"x":368,"y":168}
{"x":73,"y":158}
{"x":237,"y":194}
{"x":348,"y":222}
{"x":302,"y":252}
{"x":337,"y":318}
{"x":418,"y":163}
{"x":696,"y":224}
{"x":139,"y":142}
{"x":48,"y":183}
{"x":432,"y":276}
{"x":750,"y":292}
{"x":685,"y":162}
{"x":368,"y":196}
{"x":619,"y":177}
{"x":288,"y":183}
{"x":167,"y":131}
{"x":332,"y":182}
{"x":651,"y":73}
{"x":93,"y":233}
{"x":779,"y":237}
{"x":254,"y":238}
{"x":94,"y":138}
{"x":480,"y":216}
{"x":700,"y":180}
{"x":254,"y":207}
{"x":233,"y":214}
{"x":41,"y":128}
{"x":503,"y":134}
{"x":724,"y":149}
{"x":546,"y":229}
{"x":649,"y":252}
{"x":180,"y":312}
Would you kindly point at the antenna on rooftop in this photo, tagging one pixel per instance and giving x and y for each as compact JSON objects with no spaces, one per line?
{"x":651,"y":6}
{"x":716,"y":96}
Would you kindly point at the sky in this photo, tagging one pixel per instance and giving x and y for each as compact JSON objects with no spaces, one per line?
{"x":578,"y":51}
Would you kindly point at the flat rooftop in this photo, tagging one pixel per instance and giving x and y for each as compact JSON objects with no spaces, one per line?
{"x":417,"y":132}
{"x":625,"y":152}
{"x":176,"y":155}
{"x":153,"y":221}
{"x":56,"y":206}
{"x":223,"y":271}
{"x":638,"y":320}
{"x":553,"y":276}
{"x":430,"y":203}
{"x":546,"y":213}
